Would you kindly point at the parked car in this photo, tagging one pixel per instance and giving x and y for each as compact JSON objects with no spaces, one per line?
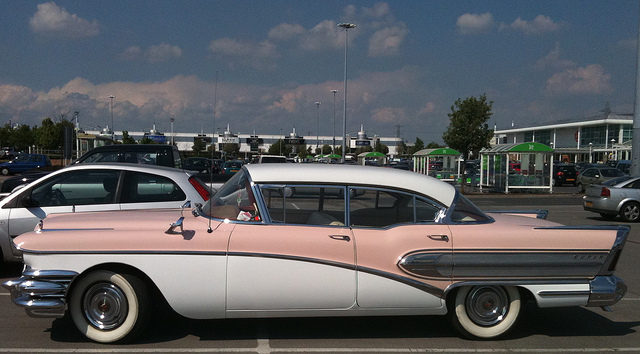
{"x":200,"y":164}
{"x":595,"y":175}
{"x":269,"y":159}
{"x":618,"y":196}
{"x":147,"y":154}
{"x":24,"y":162}
{"x":8,"y":152}
{"x":91,"y":187}
{"x":565,"y":173}
{"x":231,"y":167}
{"x":624,"y":166}
{"x":407,"y":245}
{"x":13,"y":182}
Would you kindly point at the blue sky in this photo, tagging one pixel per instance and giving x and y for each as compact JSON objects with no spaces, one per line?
{"x":409,"y":61}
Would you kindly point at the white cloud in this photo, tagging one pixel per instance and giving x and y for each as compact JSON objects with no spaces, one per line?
{"x":378,"y":10}
{"x":428,"y":108}
{"x":554,"y":61}
{"x":388,"y":114}
{"x":541,"y":24}
{"x":387,"y":41}
{"x":153,"y":54}
{"x":285,"y":32}
{"x":474,"y":23}
{"x":590,"y":80}
{"x":258,"y":55}
{"x":52,"y":20}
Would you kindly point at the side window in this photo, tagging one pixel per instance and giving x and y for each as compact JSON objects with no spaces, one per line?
{"x":381,"y":208}
{"x":465,"y":211}
{"x":311,"y":205}
{"x":105,"y":156}
{"x":144,"y":187}
{"x":78,"y":188}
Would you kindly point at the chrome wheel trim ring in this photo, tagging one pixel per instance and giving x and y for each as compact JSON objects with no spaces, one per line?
{"x":105,"y":306}
{"x":487,"y":305}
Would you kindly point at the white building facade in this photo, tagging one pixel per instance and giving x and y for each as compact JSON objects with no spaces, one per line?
{"x":597,"y":138}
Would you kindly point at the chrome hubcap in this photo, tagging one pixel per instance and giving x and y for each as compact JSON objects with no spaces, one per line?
{"x":487,"y":305}
{"x":105,"y":306}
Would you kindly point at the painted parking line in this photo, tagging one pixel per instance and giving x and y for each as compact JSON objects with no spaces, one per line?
{"x":262,"y":349}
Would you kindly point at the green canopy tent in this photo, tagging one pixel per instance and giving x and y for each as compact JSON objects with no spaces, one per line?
{"x":442,"y":163}
{"x":517,"y":166}
{"x":370,"y":156}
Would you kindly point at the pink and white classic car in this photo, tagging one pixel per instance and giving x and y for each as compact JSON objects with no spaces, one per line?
{"x":314,"y":240}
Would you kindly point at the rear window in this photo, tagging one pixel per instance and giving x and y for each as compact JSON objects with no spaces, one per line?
{"x":613,"y":182}
{"x":610,"y":172}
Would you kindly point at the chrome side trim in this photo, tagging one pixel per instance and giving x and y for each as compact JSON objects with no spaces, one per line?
{"x":41,"y":292}
{"x":491,"y":263}
{"x":540,"y":213}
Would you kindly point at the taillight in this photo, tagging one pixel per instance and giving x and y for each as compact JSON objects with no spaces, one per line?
{"x":560,"y":173}
{"x":202,"y":190}
{"x":605,"y":193}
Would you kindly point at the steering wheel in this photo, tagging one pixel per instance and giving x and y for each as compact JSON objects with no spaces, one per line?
{"x":59,"y":197}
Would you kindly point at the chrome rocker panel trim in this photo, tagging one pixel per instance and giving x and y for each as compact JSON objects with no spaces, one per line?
{"x":42,"y":293}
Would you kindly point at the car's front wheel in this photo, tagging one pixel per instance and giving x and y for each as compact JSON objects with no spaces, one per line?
{"x":485,"y":311}
{"x":580,"y":187}
{"x":109,"y":307}
{"x":630,"y":211}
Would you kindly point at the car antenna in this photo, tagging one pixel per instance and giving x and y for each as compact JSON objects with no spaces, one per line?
{"x":213,"y":148}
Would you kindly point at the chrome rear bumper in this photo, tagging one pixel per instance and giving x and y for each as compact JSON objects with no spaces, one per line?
{"x":606,"y":290}
{"x":41,"y":292}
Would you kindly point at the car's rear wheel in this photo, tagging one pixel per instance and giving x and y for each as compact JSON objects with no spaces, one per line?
{"x":109,"y":307}
{"x":608,"y":216}
{"x":630,"y":211}
{"x":4,"y":171}
{"x":485,"y":311}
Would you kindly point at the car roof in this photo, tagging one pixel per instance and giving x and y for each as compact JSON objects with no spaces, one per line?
{"x":353,"y":174}
{"x":162,"y":170}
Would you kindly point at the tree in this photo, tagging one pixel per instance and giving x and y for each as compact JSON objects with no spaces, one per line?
{"x":280,"y":148}
{"x":326,"y":149}
{"x":198,"y":146}
{"x":417,"y":146}
{"x":126,"y":138}
{"x":380,"y":147}
{"x":434,"y":145}
{"x":468,"y":131}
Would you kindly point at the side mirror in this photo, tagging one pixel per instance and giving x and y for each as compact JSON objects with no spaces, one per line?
{"x":27,"y":202}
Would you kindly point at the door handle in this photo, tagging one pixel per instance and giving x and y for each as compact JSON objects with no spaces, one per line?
{"x":439,"y":237}
{"x":340,"y":237}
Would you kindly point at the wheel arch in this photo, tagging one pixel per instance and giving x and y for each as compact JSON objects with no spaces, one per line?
{"x":157,"y":298}
{"x":625,"y":201}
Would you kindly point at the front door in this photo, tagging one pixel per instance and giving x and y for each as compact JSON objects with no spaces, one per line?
{"x":303,"y":260}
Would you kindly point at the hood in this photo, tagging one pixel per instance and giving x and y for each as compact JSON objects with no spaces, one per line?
{"x":118,"y":231}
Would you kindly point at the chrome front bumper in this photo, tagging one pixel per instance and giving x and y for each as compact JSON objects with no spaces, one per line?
{"x":606,"y":291}
{"x":41,"y":292}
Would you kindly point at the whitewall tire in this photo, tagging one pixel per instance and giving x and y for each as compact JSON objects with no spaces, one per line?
{"x":485,"y":311}
{"x":109,"y":307}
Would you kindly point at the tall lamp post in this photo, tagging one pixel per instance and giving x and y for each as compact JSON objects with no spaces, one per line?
{"x":346,"y":27}
{"x":113,"y":132}
{"x":172,"y":142}
{"x":318,"y":125}
{"x":590,"y":154}
{"x":333,"y":147}
{"x":614,"y":153}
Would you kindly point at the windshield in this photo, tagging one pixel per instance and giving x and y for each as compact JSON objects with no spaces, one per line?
{"x":234,"y":200}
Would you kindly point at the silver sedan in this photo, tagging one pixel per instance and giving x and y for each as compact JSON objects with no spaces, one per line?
{"x":618,"y":196}
{"x":94,"y":187}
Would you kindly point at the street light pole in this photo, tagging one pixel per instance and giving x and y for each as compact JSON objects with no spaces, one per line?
{"x":590,"y":154}
{"x":172,"y":142}
{"x":113,"y":132}
{"x":346,"y":27}
{"x":318,"y":125}
{"x":333,"y":147}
